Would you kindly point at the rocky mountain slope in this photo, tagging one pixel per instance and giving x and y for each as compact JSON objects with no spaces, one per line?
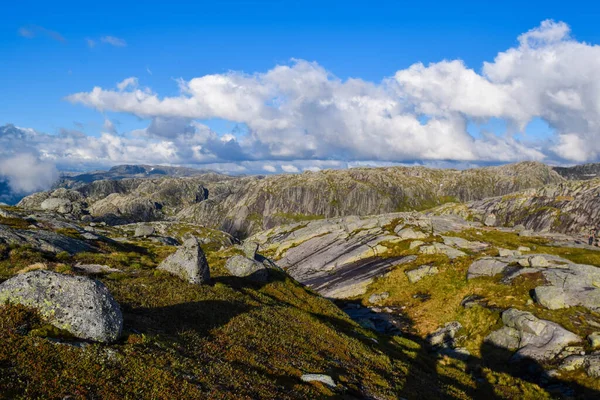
{"x":245,"y":205}
{"x":424,"y":307}
{"x":514,"y":302}
{"x":580,"y":172}
{"x":568,"y":207}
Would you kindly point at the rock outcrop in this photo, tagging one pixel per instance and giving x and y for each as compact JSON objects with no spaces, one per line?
{"x":531,"y":337}
{"x":188,"y":262}
{"x":340,"y":257}
{"x":44,"y":240}
{"x":568,"y":284}
{"x":81,"y":306}
{"x":570,"y":207}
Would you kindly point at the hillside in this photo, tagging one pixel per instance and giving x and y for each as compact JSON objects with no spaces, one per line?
{"x":397,"y":331}
{"x":244,"y":205}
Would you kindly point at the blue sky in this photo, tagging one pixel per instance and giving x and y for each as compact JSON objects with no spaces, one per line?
{"x":370,"y":40}
{"x":281,"y":86}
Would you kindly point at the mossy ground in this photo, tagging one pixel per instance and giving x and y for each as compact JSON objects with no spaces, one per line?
{"x":435,"y":300}
{"x":237,"y":339}
{"x":231,"y":339}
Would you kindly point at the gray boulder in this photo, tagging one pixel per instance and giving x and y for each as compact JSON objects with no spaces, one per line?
{"x":551,"y":297}
{"x":244,"y":267}
{"x":533,"y":338}
{"x":415,"y":275}
{"x":250,"y":249}
{"x":439,"y":248}
{"x":376,"y":298}
{"x":508,"y":253}
{"x":80,"y":305}
{"x":490,"y":220}
{"x":538,"y":261}
{"x":62,"y":206}
{"x":594,"y":339}
{"x":143,"y":231}
{"x":410,"y":233}
{"x":188,"y":263}
{"x":486,"y":267}
{"x":444,"y":337}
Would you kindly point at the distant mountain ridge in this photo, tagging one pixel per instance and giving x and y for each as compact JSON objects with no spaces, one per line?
{"x":127,"y":171}
{"x":244,"y":205}
{"x":580,"y":172}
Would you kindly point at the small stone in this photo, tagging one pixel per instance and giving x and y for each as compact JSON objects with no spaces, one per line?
{"x":378,"y":297}
{"x":486,"y":267}
{"x":444,"y":336}
{"x":523,"y":262}
{"x":416,"y":243}
{"x":592,"y":364}
{"x":324,"y":379}
{"x":95,"y":268}
{"x":524,"y":249}
{"x":508,"y":253}
{"x":594,"y":339}
{"x":86,"y":218}
{"x":89,"y":236}
{"x":526,"y":233}
{"x":417,"y":274}
{"x":144,"y":231}
{"x":409,"y":233}
{"x":538,"y":261}
{"x":490,"y":220}
{"x":572,"y":363}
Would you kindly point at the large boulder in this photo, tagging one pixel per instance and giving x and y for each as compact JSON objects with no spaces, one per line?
{"x":79,"y":305}
{"x":143,"y":231}
{"x":188,"y":263}
{"x":533,"y":338}
{"x":244,"y":267}
{"x":62,"y":206}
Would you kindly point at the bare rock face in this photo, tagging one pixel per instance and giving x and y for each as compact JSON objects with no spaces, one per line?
{"x":188,"y":263}
{"x":82,"y":306}
{"x":245,"y":205}
{"x":43,"y":240}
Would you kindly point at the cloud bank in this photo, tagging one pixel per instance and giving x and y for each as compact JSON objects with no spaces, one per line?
{"x":300,"y":116}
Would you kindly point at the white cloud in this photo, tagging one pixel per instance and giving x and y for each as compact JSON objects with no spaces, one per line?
{"x":300,"y":116}
{"x":90,"y":42}
{"x":25,"y":173}
{"x":289,"y":168}
{"x":114,"y":41}
{"x":32,"y":31}
{"x":109,"y":127}
{"x":131,"y":82}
